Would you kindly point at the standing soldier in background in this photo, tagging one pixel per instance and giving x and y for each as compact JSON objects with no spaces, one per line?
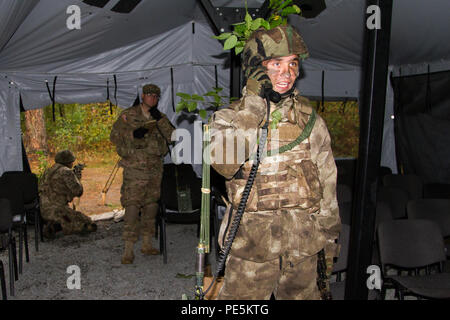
{"x":292,"y":212}
{"x":141,"y":135}
{"x":59,"y":185}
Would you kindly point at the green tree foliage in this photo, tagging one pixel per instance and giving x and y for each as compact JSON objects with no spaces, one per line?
{"x":342,"y":120}
{"x":84,"y":127}
{"x":212,"y":100}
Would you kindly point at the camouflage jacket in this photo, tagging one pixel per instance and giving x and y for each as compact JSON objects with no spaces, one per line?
{"x":59,"y":186}
{"x":140,"y":153}
{"x":301,"y":177}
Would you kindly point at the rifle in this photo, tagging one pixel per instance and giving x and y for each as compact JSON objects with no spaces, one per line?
{"x":77,"y":170}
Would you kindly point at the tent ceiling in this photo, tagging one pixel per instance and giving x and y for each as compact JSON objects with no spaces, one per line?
{"x":43,"y":38}
{"x":35,"y":35}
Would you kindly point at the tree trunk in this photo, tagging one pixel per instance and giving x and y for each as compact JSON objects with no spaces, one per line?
{"x":35,"y":136}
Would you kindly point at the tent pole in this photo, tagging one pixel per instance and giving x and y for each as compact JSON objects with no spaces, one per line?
{"x":376,"y":61}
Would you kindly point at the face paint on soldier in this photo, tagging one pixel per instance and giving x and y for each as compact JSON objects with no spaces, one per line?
{"x":282,"y":72}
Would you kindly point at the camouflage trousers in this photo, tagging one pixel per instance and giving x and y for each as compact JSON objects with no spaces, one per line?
{"x":141,"y":187}
{"x":71,"y":221}
{"x":139,"y":194}
{"x":288,"y":278}
{"x":133,"y":226}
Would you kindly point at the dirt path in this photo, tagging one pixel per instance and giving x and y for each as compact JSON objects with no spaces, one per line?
{"x":93,"y":181}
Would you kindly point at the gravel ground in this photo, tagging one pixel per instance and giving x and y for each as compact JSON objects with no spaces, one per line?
{"x":103,"y":277}
{"x":98,"y":256}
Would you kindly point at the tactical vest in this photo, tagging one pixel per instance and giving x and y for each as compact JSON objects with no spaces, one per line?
{"x":144,"y":152}
{"x":44,"y":185}
{"x":285,"y":179}
{"x":48,"y":196}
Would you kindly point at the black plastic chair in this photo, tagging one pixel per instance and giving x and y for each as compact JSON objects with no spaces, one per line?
{"x":340,"y":266}
{"x":180,"y":200}
{"x":14,"y":194}
{"x":6,"y":229}
{"x":413,"y":246}
{"x":343,"y":193}
{"x":396,"y":199}
{"x":383,"y":213}
{"x":28,"y":183}
{"x":437,"y":210}
{"x":411,"y":183}
{"x":344,"y":197}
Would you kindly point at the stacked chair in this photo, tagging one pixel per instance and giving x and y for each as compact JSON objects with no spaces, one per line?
{"x":412,"y":249}
{"x":6,"y":224}
{"x":14,"y":194}
{"x":19,"y":205}
{"x":414,"y":246}
{"x":180,"y":200}
{"x":437,"y":210}
{"x":28,"y":183}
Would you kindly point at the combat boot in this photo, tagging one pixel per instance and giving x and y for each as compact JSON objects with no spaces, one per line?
{"x":147,"y":247}
{"x":128,"y":254}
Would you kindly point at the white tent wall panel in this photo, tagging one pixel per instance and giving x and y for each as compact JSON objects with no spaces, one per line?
{"x":388,"y":153}
{"x":205,"y":49}
{"x":10,"y":136}
{"x":337,"y":83}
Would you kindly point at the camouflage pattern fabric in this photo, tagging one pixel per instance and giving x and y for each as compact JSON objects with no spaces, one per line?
{"x":288,"y":278}
{"x":142,"y":162}
{"x":57,"y":188}
{"x":151,"y":88}
{"x":292,"y":209}
{"x":267,"y":44}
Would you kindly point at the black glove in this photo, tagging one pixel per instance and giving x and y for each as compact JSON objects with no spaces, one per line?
{"x":154,"y":112}
{"x":139,"y":132}
{"x":259,"y":84}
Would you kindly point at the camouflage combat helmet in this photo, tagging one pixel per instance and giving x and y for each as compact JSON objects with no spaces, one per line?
{"x":267,"y":44}
{"x":151,"y":88}
{"x":64,"y":157}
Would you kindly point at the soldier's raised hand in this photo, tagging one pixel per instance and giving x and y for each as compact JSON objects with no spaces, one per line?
{"x":258,"y":82}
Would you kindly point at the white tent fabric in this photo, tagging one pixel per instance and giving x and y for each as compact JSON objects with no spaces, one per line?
{"x":160,"y":36}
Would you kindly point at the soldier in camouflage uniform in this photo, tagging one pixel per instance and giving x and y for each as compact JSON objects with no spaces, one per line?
{"x":292,"y":212}
{"x":58,"y":186}
{"x":141,"y":135}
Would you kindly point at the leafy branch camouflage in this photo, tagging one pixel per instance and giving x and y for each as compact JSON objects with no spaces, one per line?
{"x":242,"y":31}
